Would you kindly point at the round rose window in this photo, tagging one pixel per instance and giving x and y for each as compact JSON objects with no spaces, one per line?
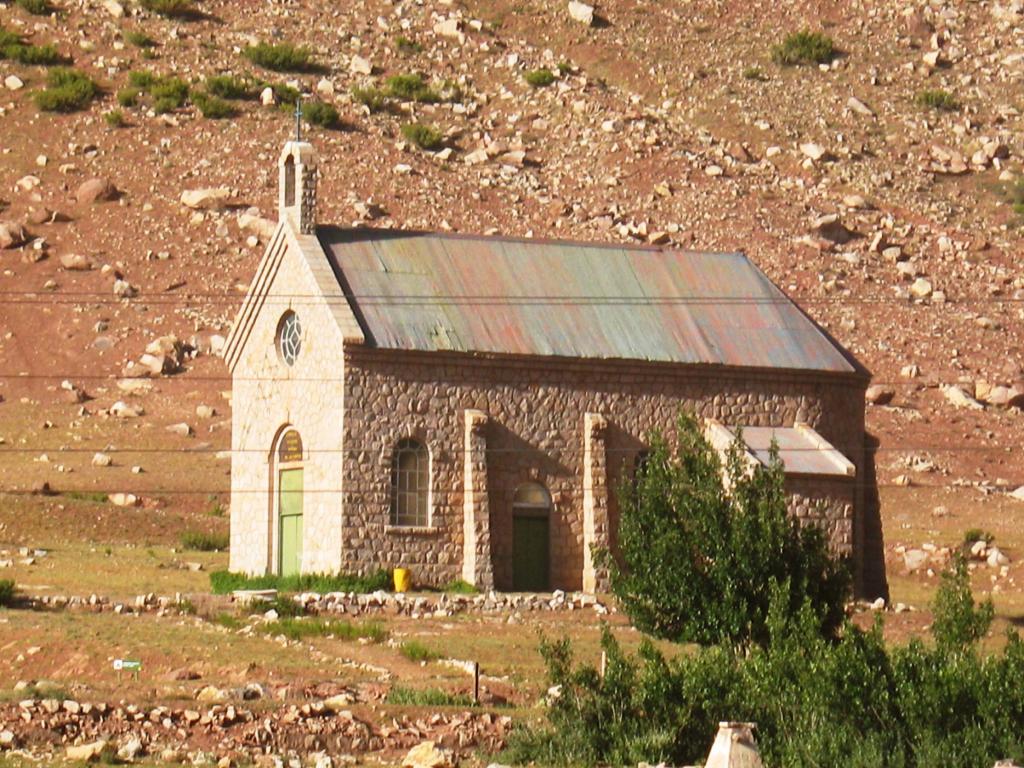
{"x":289,"y":338}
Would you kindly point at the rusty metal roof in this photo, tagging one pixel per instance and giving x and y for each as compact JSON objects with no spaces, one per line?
{"x":428,"y":291}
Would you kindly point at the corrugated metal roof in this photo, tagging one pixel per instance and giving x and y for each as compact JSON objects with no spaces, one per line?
{"x":427,"y":291}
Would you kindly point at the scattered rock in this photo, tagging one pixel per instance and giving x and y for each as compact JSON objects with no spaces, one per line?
{"x":878,"y":394}
{"x":13,"y":83}
{"x":428,"y":755}
{"x":915,"y":559}
{"x":181,"y":429}
{"x":86,"y":753}
{"x":12,"y":234}
{"x":75,"y":262}
{"x":123,"y":499}
{"x":95,"y":191}
{"x":211,"y":198}
{"x":581,"y":12}
{"x":102,"y":460}
{"x":960,"y":399}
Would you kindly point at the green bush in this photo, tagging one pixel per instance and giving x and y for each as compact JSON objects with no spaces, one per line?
{"x":300,"y":629}
{"x":1016,"y":196}
{"x":844,"y":703}
{"x":67,"y":90}
{"x":36,"y":7}
{"x":372,"y":98}
{"x":213,"y":107}
{"x":223,"y":582}
{"x":7,"y":590}
{"x":416,"y":651}
{"x":410,"y":87}
{"x":142,"y":79}
{"x":31,"y":55}
{"x":958,"y":622}
{"x":115,"y":118}
{"x":699,"y":563}
{"x":804,"y":47}
{"x":7,"y":39}
{"x":460,"y":587}
{"x":972,"y":535}
{"x":172,"y":9}
{"x":139,"y":39}
{"x":406,"y":46}
{"x":755,"y":73}
{"x":940,"y":100}
{"x":539,"y":78}
{"x":285,"y":94}
{"x":423,"y":136}
{"x":128,"y":97}
{"x":169,"y":94}
{"x":321,"y":114}
{"x":283,"y":57}
{"x":200,"y":541}
{"x":427,"y":697}
{"x":230,"y":87}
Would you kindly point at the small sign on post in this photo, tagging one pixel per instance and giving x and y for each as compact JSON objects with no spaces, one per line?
{"x":127,"y":665}
{"x":476,"y":682}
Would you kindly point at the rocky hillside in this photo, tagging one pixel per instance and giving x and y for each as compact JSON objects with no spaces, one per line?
{"x":871,"y":170}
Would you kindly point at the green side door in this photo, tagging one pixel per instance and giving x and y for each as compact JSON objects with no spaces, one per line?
{"x":290,"y":534}
{"x":530,"y":553}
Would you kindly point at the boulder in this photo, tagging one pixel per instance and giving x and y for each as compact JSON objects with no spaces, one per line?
{"x":960,"y":399}
{"x":879,"y":395}
{"x":360,"y":66}
{"x":211,"y":198}
{"x":102,"y":460}
{"x":212,"y":695}
{"x":428,"y":755}
{"x":833,"y":230}
{"x":123,"y":289}
{"x":12,"y":234}
{"x":95,"y":191}
{"x":581,"y":12}
{"x":158,"y":365}
{"x":86,"y":753}
{"x":915,"y":559}
{"x":181,"y":429}
{"x":75,"y":262}
{"x":130,"y":749}
{"x":123,"y":499}
{"x":122,"y":410}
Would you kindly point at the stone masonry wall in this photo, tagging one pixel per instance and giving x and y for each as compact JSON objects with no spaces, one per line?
{"x":535,"y":421}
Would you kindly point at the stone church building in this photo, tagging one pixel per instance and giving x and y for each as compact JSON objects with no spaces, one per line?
{"x":466,"y":406}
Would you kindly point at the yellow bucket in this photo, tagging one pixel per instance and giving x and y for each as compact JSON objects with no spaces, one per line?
{"x":403,"y":579}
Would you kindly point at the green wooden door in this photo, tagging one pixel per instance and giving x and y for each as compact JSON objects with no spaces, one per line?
{"x":530,"y":555}
{"x":290,"y":536}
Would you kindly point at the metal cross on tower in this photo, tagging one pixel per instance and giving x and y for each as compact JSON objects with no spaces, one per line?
{"x":298,"y":118}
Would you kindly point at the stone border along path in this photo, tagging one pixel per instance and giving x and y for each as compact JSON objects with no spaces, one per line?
{"x":41,"y":728}
{"x":349,"y":603}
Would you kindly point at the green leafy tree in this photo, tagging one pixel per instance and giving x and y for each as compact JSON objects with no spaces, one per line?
{"x":704,"y":545}
{"x":959,"y":622}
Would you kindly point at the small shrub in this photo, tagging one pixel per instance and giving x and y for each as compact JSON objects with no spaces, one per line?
{"x":34,"y":55}
{"x":940,"y":100}
{"x":283,"y":57}
{"x":959,"y":623}
{"x":115,"y":118}
{"x":7,"y":590}
{"x":228,"y":621}
{"x":213,"y":107}
{"x":804,"y":47}
{"x":128,"y":97}
{"x":143,"y":79}
{"x":755,"y":73}
{"x":1016,"y":196}
{"x":285,"y":607}
{"x":223,"y":582}
{"x":229,"y":87}
{"x":416,"y":651}
{"x":285,"y":94}
{"x":172,"y":9}
{"x":67,"y":90}
{"x":423,"y":136}
{"x":320,"y":114}
{"x":169,"y":93}
{"x":460,"y":587}
{"x":972,"y":535}
{"x":96,"y":498}
{"x":406,"y":46}
{"x":7,"y":39}
{"x":410,"y":87}
{"x":139,"y":39}
{"x":217,"y":510}
{"x":35,"y":7}
{"x":200,"y":541}
{"x":372,"y":98}
{"x":427,"y":697}
{"x":539,"y":78}
{"x":565,"y":68}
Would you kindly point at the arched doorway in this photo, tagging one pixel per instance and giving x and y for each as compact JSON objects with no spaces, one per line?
{"x":531,"y":538}
{"x":289,"y":503}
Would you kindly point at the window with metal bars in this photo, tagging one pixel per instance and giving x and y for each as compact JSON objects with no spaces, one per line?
{"x":410,"y":484}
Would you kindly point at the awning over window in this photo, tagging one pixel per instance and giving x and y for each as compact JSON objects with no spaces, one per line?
{"x":802,"y":450}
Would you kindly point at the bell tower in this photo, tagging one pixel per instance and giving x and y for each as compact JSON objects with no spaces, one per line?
{"x":297,"y":187}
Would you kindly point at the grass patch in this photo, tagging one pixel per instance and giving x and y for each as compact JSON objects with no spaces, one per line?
{"x":172,"y":9}
{"x":283,"y":57}
{"x":410,"y":87}
{"x":937,"y":99}
{"x":460,"y":587}
{"x":230,"y":87}
{"x":1015,"y":193}
{"x":416,"y":651}
{"x":14,"y":48}
{"x":115,"y":118}
{"x":167,"y":93}
{"x":321,"y":114}
{"x":427,"y":697}
{"x":373,"y":99}
{"x":35,"y":7}
{"x":139,"y":39}
{"x":7,"y":592}
{"x":228,"y":621}
{"x":223,"y":582}
{"x":539,"y":78}
{"x":96,"y":498}
{"x":804,"y":47}
{"x":423,"y":136}
{"x":128,"y":97}
{"x":300,"y":629}
{"x":67,"y":90}
{"x":200,"y":541}
{"x":755,"y":73}
{"x":213,"y":107}
{"x":407,"y":46}
{"x":284,"y":606}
